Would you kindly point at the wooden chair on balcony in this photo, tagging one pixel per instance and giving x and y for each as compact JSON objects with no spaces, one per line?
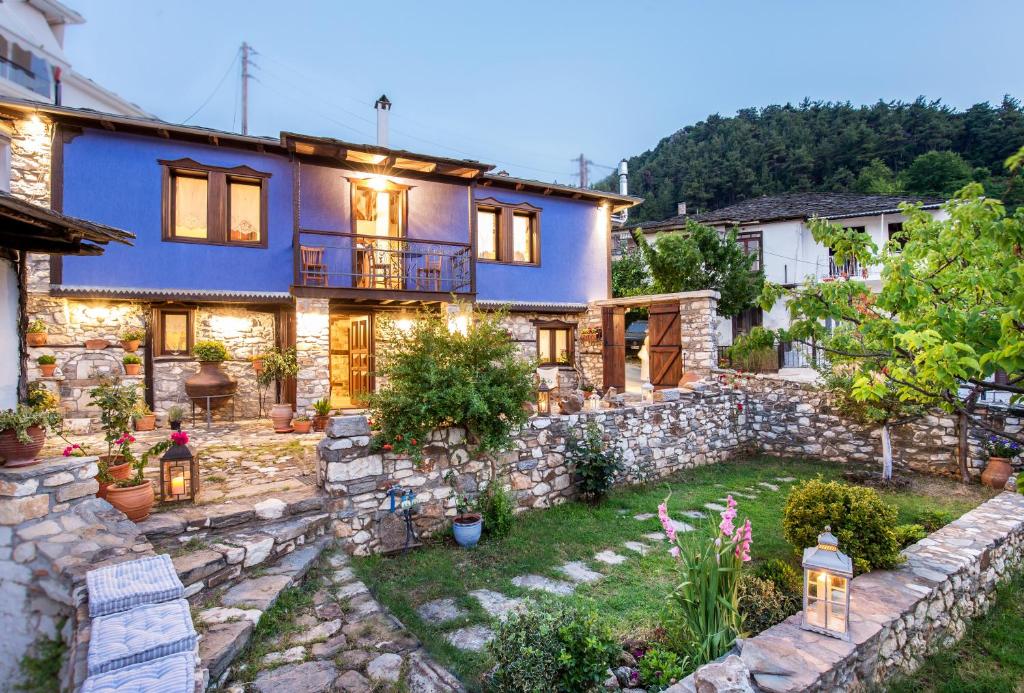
{"x":313,"y":270}
{"x":428,"y":277}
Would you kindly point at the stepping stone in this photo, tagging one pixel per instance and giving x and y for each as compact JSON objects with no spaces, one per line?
{"x":785,"y":479}
{"x":637,"y":547}
{"x":140,"y":635}
{"x":681,"y":527}
{"x":352,"y":589}
{"x":496,"y":604}
{"x":610,"y":557}
{"x":768,"y":485}
{"x":256,"y":593}
{"x":578,"y":572}
{"x":321,"y":631}
{"x":544,"y":584}
{"x":308,"y":677}
{"x":440,"y":611}
{"x":126,"y":585}
{"x":693,"y":514}
{"x":387,"y":667}
{"x":622,"y":511}
{"x":471,"y":638}
{"x":741,"y":494}
{"x":175,"y":673}
{"x":289,"y":656}
{"x":655,"y":536}
{"x":714,"y":506}
{"x":644,"y":516}
{"x":220,"y":614}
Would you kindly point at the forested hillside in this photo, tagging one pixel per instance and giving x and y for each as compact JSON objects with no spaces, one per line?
{"x":921,"y":147}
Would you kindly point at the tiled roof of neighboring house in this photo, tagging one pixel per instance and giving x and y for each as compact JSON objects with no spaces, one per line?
{"x":803,"y":205}
{"x":616,"y":201}
{"x":215,"y":295}
{"x":28,"y":226}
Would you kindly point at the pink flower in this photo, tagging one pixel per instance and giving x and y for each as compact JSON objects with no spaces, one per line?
{"x":666,"y":522}
{"x":674,"y":552}
{"x":179,"y":438}
{"x":726,"y":526}
{"x":743,"y":539}
{"x":68,"y":450}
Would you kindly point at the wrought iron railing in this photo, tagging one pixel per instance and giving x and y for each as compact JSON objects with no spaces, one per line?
{"x":338,"y":260}
{"x":848,"y":268}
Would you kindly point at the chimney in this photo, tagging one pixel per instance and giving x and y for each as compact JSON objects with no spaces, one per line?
{"x":680,"y":209}
{"x":623,"y":187}
{"x":382,"y":107}
{"x":56,"y":85}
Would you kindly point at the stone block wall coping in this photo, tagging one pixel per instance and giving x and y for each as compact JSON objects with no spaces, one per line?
{"x":47,"y":467}
{"x":657,"y":298}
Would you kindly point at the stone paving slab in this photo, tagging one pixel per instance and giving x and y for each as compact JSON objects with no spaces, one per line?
{"x":471,"y":638}
{"x":256,"y":593}
{"x":681,"y":527}
{"x":578,"y":571}
{"x":544,"y":584}
{"x":637,"y":547}
{"x":610,"y":557}
{"x":440,"y":611}
{"x":644,"y":516}
{"x":715,"y":507}
{"x":497,"y":604}
{"x":693,"y":514}
{"x":785,"y":479}
{"x":768,"y":485}
{"x":655,"y":536}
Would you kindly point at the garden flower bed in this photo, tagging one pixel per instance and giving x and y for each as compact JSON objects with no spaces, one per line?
{"x":612,"y":557}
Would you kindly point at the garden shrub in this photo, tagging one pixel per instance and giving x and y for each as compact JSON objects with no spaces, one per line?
{"x":596,"y":462}
{"x":787,"y":578}
{"x":660,"y":668}
{"x":909,"y":534}
{"x":754,"y":351}
{"x":863,"y":523}
{"x":551,"y":647}
{"x":210,"y":350}
{"x":498,"y":509}
{"x":438,"y":378}
{"x":934,"y":520}
{"x":763,"y":603}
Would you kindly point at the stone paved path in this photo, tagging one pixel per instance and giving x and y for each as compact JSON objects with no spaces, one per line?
{"x":610,"y":557}
{"x":715,"y":507}
{"x":544,"y":584}
{"x":578,"y":572}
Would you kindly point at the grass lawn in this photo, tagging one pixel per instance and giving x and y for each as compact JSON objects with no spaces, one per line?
{"x":989,"y":659}
{"x":633,"y":594}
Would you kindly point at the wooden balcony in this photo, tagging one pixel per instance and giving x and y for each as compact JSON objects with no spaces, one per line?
{"x":350,"y":265}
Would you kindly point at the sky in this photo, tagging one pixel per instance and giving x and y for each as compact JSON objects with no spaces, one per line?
{"x":529,"y":85}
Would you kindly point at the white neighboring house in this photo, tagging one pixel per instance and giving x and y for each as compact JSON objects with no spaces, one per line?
{"x":32,"y":46}
{"x":776,"y":229}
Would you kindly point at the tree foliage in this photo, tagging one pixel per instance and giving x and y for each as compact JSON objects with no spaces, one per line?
{"x":820,"y":146}
{"x":700,"y":258}
{"x":937,"y":173}
{"x":630,"y":275}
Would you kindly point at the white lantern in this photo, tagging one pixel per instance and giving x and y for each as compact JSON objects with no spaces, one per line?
{"x":647,"y":392}
{"x":594,"y":402}
{"x":827,"y":575}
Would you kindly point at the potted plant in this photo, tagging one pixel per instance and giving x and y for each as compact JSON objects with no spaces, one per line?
{"x":132,"y":364}
{"x":302,"y":424}
{"x":468,"y":523}
{"x":143,"y":417}
{"x":322,"y":409}
{"x":35,"y":335}
{"x":134,"y":496}
{"x":47,"y":364}
{"x":116,"y":403}
{"x":96,"y":344}
{"x":131,"y":338}
{"x":1000,"y":452}
{"x":23,"y":433}
{"x":175,"y":415}
{"x":278,"y":366}
{"x":210,"y":381}
{"x":257,"y":363}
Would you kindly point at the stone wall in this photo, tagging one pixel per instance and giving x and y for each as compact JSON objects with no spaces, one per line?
{"x":697,"y":428}
{"x":897,"y":617}
{"x":312,"y":347}
{"x":522,"y":328}
{"x":31,"y":147}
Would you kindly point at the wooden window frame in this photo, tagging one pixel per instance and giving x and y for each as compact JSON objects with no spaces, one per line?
{"x":496,"y":211}
{"x":896,"y":227}
{"x":506,"y":212}
{"x":552,"y":326}
{"x":744,"y":237}
{"x":218,"y":201}
{"x":159,"y":315}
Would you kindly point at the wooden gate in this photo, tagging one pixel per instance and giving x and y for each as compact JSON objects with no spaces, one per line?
{"x":613,"y":330}
{"x":664,"y":345}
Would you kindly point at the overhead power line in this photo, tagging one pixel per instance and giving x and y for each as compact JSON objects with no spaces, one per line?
{"x":215,"y":89}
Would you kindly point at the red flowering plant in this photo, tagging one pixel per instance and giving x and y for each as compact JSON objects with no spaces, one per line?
{"x":704,"y":617}
{"x":179,"y":437}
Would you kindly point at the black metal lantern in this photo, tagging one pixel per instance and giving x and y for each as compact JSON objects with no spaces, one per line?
{"x":543,"y":399}
{"x":179,"y":475}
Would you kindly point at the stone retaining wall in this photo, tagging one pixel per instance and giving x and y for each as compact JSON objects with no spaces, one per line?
{"x":897,"y":617}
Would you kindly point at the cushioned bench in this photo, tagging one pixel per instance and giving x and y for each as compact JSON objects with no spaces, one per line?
{"x":140,"y":635}
{"x":124,"y":586}
{"x":175,"y":673}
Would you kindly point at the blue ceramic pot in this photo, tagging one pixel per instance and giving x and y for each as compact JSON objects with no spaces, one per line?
{"x":467,"y":530}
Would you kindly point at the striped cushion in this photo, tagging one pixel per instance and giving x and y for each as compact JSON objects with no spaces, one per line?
{"x":127,"y":585}
{"x":140,"y":635}
{"x":172,"y":674}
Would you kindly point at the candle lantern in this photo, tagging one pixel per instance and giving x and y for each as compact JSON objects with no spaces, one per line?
{"x":179,"y":475}
{"x":594,"y":402}
{"x":827,"y":575}
{"x":543,"y":399}
{"x":647,"y":392}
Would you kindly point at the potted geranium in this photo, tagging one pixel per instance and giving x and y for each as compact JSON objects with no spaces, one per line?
{"x":278,"y":366}
{"x":131,"y":338}
{"x":322,"y":409}
{"x":210,"y":381}
{"x":143,"y":417}
{"x":116,"y":403}
{"x":47,"y":364}
{"x":23,"y":433}
{"x":1000,"y":452}
{"x":302,"y":424}
{"x":35,"y":335}
{"x":132,"y":364}
{"x":134,"y":496}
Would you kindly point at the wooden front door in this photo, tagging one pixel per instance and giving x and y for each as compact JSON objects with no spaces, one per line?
{"x":360,"y":338}
{"x":613,"y":330}
{"x":665,"y":349}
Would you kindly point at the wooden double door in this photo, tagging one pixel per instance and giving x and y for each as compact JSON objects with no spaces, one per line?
{"x":664,"y":345}
{"x":351,"y":361}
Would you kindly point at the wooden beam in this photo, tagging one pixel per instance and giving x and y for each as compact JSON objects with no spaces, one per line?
{"x":519,"y":187}
{"x":163,"y":133}
{"x":577,"y":196}
{"x":214,"y":140}
{"x":107,"y":125}
{"x":547,"y":191}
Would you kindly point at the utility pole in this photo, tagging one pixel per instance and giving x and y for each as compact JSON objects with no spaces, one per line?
{"x":246,"y":61}
{"x":584,"y":164}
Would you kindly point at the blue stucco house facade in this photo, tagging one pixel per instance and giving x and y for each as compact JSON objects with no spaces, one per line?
{"x":299,"y":241}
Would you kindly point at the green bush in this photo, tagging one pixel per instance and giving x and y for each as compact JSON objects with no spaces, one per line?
{"x":763,"y":603}
{"x":659,"y":669}
{"x":498,"y":509}
{"x":438,"y":378}
{"x":41,"y":399}
{"x":208,"y":350}
{"x":863,"y":523}
{"x":129,"y":359}
{"x":551,"y":646}
{"x":787,"y":578}
{"x":46,"y":360}
{"x":909,"y":534}
{"x":754,"y":351}
{"x":596,"y":462}
{"x":933,"y":520}
{"x":278,"y":366}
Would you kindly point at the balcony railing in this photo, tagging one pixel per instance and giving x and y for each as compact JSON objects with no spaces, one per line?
{"x":849,"y":268}
{"x":338,"y":260}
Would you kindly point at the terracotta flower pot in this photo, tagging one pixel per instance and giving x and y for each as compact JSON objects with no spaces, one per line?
{"x":132,"y":368}
{"x":281,"y":415}
{"x":118,"y":470}
{"x":47,"y":369}
{"x":257,"y":365}
{"x":134,"y":501}
{"x":210,"y":380}
{"x":145,"y":423}
{"x":18,"y":454}
{"x":320,"y":423}
{"x":302,"y":426}
{"x":131,"y":344}
{"x":96,"y":344}
{"x":996,"y":473}
{"x":36,"y":338}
